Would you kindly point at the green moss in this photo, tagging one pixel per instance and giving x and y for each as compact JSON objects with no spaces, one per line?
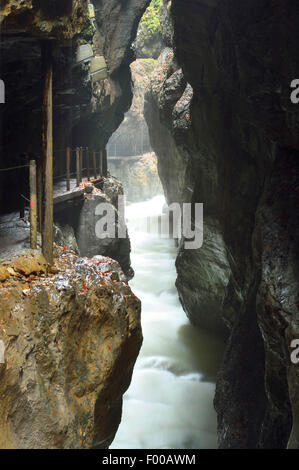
{"x":148,"y":61}
{"x":150,"y":21}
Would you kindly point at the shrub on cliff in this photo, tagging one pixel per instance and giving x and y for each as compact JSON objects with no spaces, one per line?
{"x":148,"y":43}
{"x":150,"y":20}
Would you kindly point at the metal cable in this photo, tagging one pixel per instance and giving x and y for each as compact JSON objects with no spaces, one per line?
{"x":24,"y":197}
{"x":14,"y":167}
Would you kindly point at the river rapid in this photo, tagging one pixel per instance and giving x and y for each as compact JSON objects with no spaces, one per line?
{"x":169,"y":404}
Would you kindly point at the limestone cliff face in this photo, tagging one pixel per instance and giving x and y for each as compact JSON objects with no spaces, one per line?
{"x":84,"y":114}
{"x":43,"y":18}
{"x":238,"y":155}
{"x":71,"y":338}
{"x":148,"y":44}
{"x":139,"y":176}
{"x":116,"y":27}
{"x":132,"y":138}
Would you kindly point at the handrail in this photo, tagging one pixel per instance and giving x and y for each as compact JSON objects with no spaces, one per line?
{"x":14,"y":168}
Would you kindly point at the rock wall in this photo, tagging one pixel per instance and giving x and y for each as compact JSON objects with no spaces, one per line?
{"x":139,"y":176}
{"x":116,"y":28}
{"x":147,"y":47}
{"x":84,"y":115}
{"x":132,"y":138}
{"x":77,"y":220}
{"x":71,"y":338}
{"x":72,"y":335}
{"x":238,"y":155}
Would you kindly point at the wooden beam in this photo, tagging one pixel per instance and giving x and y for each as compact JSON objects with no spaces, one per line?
{"x":104,"y":163}
{"x":22,"y":187}
{"x":39,"y":171}
{"x":87,"y":163}
{"x":81,"y":163}
{"x":68,"y":169}
{"x":47,"y":151}
{"x":94,"y":165}
{"x":33,"y":205}
{"x":78,"y":166}
{"x":101,"y":163}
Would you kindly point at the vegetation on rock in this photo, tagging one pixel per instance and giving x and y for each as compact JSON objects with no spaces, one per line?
{"x":150,"y":20}
{"x":149,"y":37}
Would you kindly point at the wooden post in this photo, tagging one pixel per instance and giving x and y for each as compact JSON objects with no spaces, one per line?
{"x":68,"y":166}
{"x":39,"y":171}
{"x":33,"y":205}
{"x":87,"y":164}
{"x":78,"y":166}
{"x":94,"y":165}
{"x":104,"y":163}
{"x":22,"y":186}
{"x":81,"y":163}
{"x":100,"y":163}
{"x":47,"y":152}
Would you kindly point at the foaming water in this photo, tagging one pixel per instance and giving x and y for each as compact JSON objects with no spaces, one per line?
{"x":169,"y":404}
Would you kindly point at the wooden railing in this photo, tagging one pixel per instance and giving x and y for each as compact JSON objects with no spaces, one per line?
{"x":95,"y":164}
{"x":95,"y":167}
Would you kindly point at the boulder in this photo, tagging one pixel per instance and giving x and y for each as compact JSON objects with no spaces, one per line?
{"x":33,"y":263}
{"x":4,"y":273}
{"x":71,"y":341}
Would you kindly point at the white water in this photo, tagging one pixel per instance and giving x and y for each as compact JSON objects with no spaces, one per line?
{"x":170,"y":401}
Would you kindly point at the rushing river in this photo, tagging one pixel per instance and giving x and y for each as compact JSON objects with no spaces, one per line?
{"x":170,"y":401}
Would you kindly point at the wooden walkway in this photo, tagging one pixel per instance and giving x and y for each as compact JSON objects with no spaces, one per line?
{"x":133,"y":157}
{"x":15,"y":232}
{"x":62,"y":197}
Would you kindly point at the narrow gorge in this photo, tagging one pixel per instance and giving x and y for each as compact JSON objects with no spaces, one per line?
{"x":225,"y":131}
{"x":115,"y":112}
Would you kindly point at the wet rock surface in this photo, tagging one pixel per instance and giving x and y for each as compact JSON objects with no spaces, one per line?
{"x":30,"y":264}
{"x":64,"y":235}
{"x":168,"y":88}
{"x":83,"y":114}
{"x":139,"y":177}
{"x":122,"y":142}
{"x":88,"y":234}
{"x":71,"y":337}
{"x":4,"y":274}
{"x":62,"y":19}
{"x":14,"y":234}
{"x":276,"y":231}
{"x":80,"y":230}
{"x":72,"y":334}
{"x":238,"y":154}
